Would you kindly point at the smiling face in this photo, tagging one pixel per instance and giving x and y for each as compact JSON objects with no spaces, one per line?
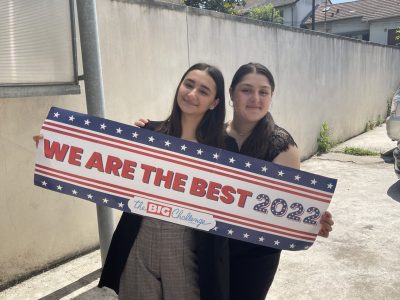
{"x":251,"y":98}
{"x":196,"y":94}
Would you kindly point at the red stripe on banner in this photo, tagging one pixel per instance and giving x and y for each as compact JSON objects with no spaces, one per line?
{"x":196,"y":166}
{"x":187,"y":158}
{"x":130,"y":193}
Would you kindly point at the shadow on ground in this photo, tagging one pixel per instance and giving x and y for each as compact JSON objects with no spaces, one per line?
{"x":98,"y":294}
{"x":70,"y":288}
{"x":394,"y":191}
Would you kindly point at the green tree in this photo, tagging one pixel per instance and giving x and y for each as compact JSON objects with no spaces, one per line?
{"x":266,"y":13}
{"x":225,"y":6}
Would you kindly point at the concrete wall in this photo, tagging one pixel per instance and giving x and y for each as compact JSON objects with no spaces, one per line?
{"x":379,"y":29}
{"x":145,"y":48}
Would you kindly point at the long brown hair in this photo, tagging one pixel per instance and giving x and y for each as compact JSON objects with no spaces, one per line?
{"x":258,"y":142}
{"x":210,"y":129}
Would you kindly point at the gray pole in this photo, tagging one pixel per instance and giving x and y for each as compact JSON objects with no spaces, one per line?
{"x":94,"y":98}
{"x":313,"y":15}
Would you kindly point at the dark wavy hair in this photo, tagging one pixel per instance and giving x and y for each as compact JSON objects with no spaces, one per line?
{"x":210,"y":129}
{"x":258,"y":143}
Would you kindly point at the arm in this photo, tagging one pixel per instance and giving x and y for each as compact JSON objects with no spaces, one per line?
{"x":291,"y":158}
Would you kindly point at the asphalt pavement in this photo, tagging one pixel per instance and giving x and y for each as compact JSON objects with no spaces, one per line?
{"x":360,"y":259}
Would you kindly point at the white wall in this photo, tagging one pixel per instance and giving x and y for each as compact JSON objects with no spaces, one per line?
{"x":379,"y":29}
{"x":145,"y":48}
{"x":344,"y":26}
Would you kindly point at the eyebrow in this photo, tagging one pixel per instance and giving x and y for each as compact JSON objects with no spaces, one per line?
{"x":201,"y":85}
{"x":249,"y":85}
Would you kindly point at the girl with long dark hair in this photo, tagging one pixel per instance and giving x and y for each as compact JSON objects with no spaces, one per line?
{"x":154,"y":259}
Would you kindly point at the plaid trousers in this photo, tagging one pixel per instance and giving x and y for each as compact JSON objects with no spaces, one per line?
{"x":162,"y":264}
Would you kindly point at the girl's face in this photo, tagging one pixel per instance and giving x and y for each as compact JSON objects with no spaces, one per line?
{"x":197,"y":93}
{"x":251,"y":98}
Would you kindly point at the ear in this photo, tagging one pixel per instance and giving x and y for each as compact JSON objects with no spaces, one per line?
{"x":231,"y":93}
{"x":214,"y":104}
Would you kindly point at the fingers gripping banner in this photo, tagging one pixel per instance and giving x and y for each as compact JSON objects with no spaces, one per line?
{"x":151,"y":174}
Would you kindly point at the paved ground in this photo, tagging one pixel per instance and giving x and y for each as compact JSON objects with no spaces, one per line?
{"x":360,"y":260}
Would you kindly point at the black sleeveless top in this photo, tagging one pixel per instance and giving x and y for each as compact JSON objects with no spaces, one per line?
{"x":280,"y":141}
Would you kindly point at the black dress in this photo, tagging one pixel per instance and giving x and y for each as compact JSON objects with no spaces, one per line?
{"x":212,"y":253}
{"x":253,"y":267}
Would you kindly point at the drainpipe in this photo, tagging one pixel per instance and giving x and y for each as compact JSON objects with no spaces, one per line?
{"x":94,"y":99}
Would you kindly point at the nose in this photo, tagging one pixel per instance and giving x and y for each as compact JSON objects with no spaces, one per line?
{"x":254,"y":97}
{"x":192,"y":92}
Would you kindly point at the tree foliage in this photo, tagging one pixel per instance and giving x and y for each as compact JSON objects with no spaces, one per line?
{"x":267,"y":13}
{"x":225,"y":6}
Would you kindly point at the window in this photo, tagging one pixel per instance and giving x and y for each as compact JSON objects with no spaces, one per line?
{"x":37,"y":48}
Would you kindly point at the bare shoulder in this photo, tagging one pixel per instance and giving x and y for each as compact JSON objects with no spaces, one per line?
{"x":289,"y":158}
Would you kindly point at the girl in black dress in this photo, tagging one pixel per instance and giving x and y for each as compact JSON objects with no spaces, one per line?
{"x":253,"y":132}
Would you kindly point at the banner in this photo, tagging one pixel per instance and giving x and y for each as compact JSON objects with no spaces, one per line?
{"x":151,"y":174}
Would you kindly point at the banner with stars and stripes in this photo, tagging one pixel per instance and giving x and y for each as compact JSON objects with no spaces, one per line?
{"x":151,"y":174}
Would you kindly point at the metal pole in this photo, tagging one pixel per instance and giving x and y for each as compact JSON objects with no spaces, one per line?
{"x":94,"y":98}
{"x":326,"y":3}
{"x":313,"y":15}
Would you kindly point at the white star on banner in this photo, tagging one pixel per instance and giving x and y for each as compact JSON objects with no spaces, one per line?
{"x":230,"y":231}
{"x":87,"y":122}
{"x":103,"y":126}
{"x":56,"y":115}
{"x":277,"y":242}
{"x":306,"y":247}
{"x":314,"y":182}
{"x":71,"y":118}
{"x":248,"y":164}
{"x":199,"y":151}
{"x":105,"y":200}
{"x":44,"y":183}
{"x":297,"y":177}
{"x":280,"y":173}
{"x":215,"y":228}
{"x":167,"y":143}
{"x":120,"y":204}
{"x":246,"y":236}
{"x":261,"y":239}
{"x":75,"y":192}
{"x":151,"y":139}
{"x":215,"y":155}
{"x":59,"y":187}
{"x":135,"y":135}
{"x":90,"y":196}
{"x":292,"y":246}
{"x":231,"y":160}
{"x":119,"y":130}
{"x":264,"y":169}
{"x":330,"y":186}
{"x":183,"y":147}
